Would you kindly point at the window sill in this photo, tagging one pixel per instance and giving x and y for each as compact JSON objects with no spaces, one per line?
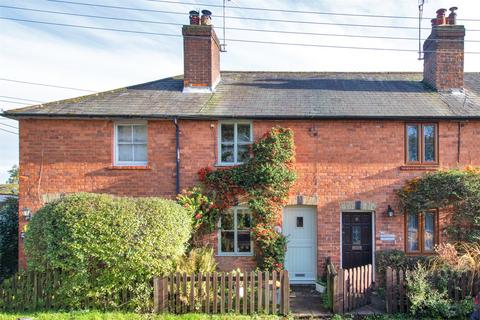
{"x":146,"y":167}
{"x":420,"y":167}
{"x":227,"y":165}
{"x":234,"y":255}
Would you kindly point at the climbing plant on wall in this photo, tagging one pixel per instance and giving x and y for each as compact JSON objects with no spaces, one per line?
{"x":263,"y":182}
{"x":457,"y":190}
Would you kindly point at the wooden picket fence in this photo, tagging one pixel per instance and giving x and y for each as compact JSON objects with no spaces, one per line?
{"x":39,"y":291}
{"x":349,"y":289}
{"x":220,"y":292}
{"x":459,"y":286}
{"x":30,"y":291}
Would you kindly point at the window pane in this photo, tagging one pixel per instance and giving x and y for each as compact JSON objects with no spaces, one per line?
{"x":227,"y":132}
{"x":299,"y":222}
{"x":429,"y":142}
{"x":124,"y":133}
{"x":140,"y":134}
{"x":243,"y":153}
{"x":244,"y":241}
{"x":140,"y":152}
{"x":356,"y":235}
{"x":429,"y":234}
{"x":244,"y":220}
{"x":226,"y":241}
{"x":227,"y":153}
{"x":412,"y":143}
{"x":412,"y":229}
{"x":243,"y":133}
{"x":227,"y":222}
{"x":125,"y":152}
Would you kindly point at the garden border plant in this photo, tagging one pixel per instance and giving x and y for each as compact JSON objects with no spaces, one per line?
{"x":263,"y":183}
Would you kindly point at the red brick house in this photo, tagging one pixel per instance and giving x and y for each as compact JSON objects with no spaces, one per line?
{"x":358,"y":137}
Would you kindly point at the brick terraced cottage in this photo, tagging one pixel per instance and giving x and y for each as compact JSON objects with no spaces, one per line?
{"x":358,"y":137}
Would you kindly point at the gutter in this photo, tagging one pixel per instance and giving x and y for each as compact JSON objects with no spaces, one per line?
{"x":238,"y":117}
{"x":177,"y":159}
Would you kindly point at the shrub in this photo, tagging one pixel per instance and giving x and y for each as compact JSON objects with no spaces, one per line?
{"x":198,"y":260}
{"x":397,"y":259}
{"x":8,"y":238}
{"x":428,"y":299}
{"x":107,"y":244}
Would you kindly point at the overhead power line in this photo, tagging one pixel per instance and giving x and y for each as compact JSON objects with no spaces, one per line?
{"x":9,"y":131}
{"x":15,"y":98}
{"x":16,"y":102}
{"x":7,"y":125}
{"x":229,"y":28}
{"x":298,"y":11}
{"x":251,"y":18}
{"x":42,"y":84}
{"x":232,"y":40}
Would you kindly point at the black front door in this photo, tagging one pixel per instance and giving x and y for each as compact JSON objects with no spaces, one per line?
{"x":356,"y":239}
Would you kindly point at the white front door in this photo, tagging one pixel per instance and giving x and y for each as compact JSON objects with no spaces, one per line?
{"x":300,"y":227}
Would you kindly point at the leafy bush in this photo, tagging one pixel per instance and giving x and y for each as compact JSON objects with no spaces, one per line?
{"x":398,"y":259}
{"x":8,"y":238}
{"x":428,"y":299}
{"x":203,"y":210}
{"x":107,"y":244}
{"x":197,"y":260}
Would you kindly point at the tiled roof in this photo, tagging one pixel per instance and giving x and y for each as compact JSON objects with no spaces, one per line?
{"x":276,"y":95}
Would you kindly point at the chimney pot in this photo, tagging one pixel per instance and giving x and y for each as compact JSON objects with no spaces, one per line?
{"x":452,"y":17}
{"x":194,"y":17}
{"x":441,"y":16}
{"x":206,"y":18}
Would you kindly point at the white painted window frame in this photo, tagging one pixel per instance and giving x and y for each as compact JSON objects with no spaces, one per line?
{"x":116,"y":161}
{"x":235,"y":252}
{"x":235,"y":142}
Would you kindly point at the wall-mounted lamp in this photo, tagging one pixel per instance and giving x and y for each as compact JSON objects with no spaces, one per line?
{"x":390,"y":211}
{"x":26,"y":214}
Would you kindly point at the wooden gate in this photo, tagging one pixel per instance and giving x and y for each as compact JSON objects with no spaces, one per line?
{"x":349,"y":289}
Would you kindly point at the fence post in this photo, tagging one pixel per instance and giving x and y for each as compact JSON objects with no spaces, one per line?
{"x":287,"y":294}
{"x":388,"y":289}
{"x":159,"y":296}
{"x":337,"y":291}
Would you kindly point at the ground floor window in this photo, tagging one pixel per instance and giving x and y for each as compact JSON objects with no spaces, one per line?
{"x":421,"y":232}
{"x":234,"y":234}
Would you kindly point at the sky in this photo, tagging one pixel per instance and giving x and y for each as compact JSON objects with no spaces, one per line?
{"x":101,"y":60}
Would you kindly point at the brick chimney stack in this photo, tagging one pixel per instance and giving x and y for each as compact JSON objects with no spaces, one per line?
{"x":444,"y":53}
{"x":201,"y":54}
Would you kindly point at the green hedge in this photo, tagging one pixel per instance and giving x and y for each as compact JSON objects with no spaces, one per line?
{"x":8,"y":237}
{"x":107,"y":244}
{"x":397,"y":259}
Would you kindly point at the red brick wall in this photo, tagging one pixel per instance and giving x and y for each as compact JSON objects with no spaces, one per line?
{"x":337,"y":161}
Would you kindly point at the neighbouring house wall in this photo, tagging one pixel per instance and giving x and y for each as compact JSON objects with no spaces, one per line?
{"x":336,"y":162}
